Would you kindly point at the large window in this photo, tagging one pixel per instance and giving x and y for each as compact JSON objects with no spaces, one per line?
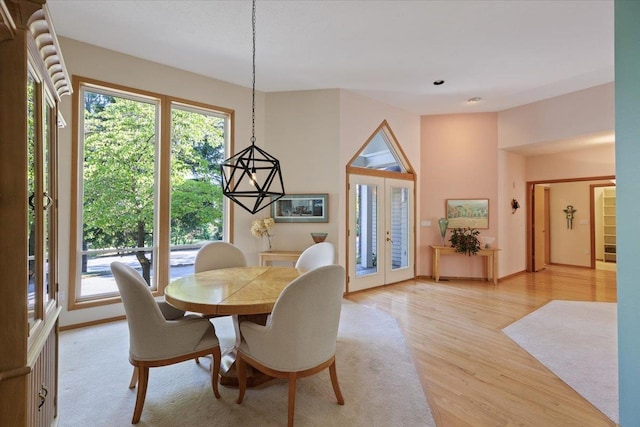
{"x":148,"y":186}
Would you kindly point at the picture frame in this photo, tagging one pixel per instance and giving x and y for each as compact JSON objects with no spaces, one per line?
{"x":301,"y":208}
{"x":472,"y":213}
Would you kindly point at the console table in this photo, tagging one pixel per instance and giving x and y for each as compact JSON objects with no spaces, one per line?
{"x":491,"y":264}
{"x":265,"y":258}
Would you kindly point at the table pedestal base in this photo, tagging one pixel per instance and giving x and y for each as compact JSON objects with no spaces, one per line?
{"x":228,"y":375}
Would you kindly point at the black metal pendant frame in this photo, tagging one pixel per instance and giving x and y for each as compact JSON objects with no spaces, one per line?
{"x":252,"y":179}
{"x":251,"y":174}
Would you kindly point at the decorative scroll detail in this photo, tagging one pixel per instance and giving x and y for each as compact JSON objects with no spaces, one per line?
{"x":41,"y":28}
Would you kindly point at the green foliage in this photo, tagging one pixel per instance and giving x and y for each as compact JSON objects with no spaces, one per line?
{"x":465,"y":240}
{"x":196,"y":212}
{"x":122,"y":164}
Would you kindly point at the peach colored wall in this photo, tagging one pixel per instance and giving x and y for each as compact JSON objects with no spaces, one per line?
{"x":585,"y":112}
{"x":585,"y":163}
{"x":512,"y":226}
{"x":459,"y":160}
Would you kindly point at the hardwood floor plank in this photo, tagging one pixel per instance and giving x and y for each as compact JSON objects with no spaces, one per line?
{"x":472,"y":373}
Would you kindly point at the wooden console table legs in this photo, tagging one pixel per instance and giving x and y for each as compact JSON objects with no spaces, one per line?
{"x":491,"y":261}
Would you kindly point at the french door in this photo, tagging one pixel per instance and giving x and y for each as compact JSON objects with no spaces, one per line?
{"x":381,"y":231}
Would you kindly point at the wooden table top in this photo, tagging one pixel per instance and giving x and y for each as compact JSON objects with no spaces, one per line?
{"x":242,"y":290}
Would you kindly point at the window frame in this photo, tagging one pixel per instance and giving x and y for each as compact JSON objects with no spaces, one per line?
{"x":162,"y":198}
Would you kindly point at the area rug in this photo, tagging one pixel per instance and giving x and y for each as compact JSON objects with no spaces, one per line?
{"x":376,"y":374}
{"x":578,"y":342}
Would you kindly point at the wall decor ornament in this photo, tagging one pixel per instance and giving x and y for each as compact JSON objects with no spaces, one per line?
{"x":514,"y":206}
{"x":569,"y":213}
{"x":301,"y":208}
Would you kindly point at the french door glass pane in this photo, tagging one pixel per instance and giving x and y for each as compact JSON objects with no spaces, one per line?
{"x":197,"y":150}
{"x":119,"y":182}
{"x":32,"y":290}
{"x":366,"y":229}
{"x":46,"y":182}
{"x":399,"y":227}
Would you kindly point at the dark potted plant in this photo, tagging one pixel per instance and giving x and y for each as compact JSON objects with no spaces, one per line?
{"x":465,"y":240}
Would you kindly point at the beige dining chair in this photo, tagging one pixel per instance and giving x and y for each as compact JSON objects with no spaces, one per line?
{"x":300,"y":338}
{"x":315,"y":256}
{"x":155,"y":341}
{"x":216,"y":255}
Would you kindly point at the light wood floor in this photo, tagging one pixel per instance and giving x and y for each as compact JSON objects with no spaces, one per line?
{"x":472,"y":373}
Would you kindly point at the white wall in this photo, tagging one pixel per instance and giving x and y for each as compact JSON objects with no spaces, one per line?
{"x":570,"y":246}
{"x":302,"y":132}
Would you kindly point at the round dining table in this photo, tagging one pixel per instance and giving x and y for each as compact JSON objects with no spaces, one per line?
{"x":246,"y":293}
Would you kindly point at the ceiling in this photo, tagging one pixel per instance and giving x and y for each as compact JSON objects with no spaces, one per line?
{"x":508,"y":53}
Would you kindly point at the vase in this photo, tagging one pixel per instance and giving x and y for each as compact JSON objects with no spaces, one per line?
{"x":443,"y":223}
{"x":266,"y":242}
{"x":318,"y":237}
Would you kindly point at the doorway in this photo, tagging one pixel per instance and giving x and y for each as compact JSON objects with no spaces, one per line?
{"x":553,"y":236}
{"x":603,"y":233}
{"x":380,"y":213}
{"x":381,"y":238}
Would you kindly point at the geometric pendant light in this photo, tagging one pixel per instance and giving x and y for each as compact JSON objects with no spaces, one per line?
{"x":252,"y":178}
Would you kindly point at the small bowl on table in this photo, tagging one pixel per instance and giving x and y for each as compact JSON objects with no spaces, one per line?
{"x":486,"y":241}
{"x":318,"y":237}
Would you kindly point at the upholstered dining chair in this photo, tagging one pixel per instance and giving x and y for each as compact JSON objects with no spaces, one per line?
{"x":300,"y":338}
{"x":169,"y":312}
{"x":216,"y":255}
{"x":323,"y":253}
{"x":155,"y":341}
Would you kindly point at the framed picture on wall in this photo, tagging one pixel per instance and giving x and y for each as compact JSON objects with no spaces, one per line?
{"x":473,"y":213}
{"x":301,"y":208}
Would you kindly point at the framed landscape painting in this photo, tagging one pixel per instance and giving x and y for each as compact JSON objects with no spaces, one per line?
{"x":473,"y":213}
{"x":301,"y":208}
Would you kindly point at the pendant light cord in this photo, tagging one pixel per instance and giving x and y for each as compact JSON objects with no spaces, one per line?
{"x":253,"y":87}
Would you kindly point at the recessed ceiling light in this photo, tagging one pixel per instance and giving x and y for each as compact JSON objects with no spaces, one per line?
{"x":474,"y":100}
{"x":438,"y":82}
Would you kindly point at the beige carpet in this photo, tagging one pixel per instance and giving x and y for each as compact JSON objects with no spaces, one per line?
{"x":577,"y":341}
{"x":376,"y":374}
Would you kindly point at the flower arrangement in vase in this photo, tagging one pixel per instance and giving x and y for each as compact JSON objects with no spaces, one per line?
{"x":262,"y":227}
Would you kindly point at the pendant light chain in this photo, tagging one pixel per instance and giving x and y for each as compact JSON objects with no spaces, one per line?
{"x":253,"y":90}
{"x":252,"y":177}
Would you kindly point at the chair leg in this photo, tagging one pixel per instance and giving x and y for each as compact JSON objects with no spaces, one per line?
{"x":143,"y":379}
{"x":334,"y":383}
{"x":215,"y":371}
{"x":134,"y":378}
{"x":292,"y":397}
{"x":241,"y":370}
